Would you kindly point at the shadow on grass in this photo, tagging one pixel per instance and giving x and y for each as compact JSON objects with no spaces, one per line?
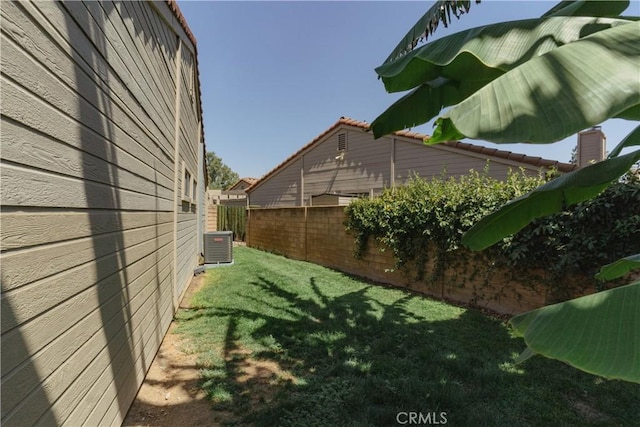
{"x":310,"y":358}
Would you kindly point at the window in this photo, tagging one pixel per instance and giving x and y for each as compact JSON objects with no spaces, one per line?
{"x":342,"y":142}
{"x":187,"y":184}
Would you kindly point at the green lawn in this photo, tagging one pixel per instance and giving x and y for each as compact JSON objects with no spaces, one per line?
{"x":284,"y":342}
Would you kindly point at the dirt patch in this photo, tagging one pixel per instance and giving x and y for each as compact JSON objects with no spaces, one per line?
{"x":170,"y":395}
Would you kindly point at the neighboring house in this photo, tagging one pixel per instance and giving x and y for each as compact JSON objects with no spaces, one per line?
{"x":243,"y":184}
{"x":103,"y":181}
{"x":234,"y":196}
{"x":216,"y":198}
{"x":345,"y":161}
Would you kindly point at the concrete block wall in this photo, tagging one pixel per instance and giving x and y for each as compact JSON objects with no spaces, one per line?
{"x":280,"y":231}
{"x":318,"y":235}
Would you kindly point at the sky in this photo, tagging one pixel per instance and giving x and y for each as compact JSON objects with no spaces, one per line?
{"x":275,"y":74}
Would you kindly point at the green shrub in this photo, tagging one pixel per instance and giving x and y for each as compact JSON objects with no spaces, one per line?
{"x":430,"y":213}
{"x":584,"y":237}
{"x":424,"y":217}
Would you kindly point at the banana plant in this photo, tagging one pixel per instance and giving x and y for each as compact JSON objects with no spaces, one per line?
{"x":537,"y":81}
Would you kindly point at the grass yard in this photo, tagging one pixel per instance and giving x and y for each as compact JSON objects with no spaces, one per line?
{"x":289,"y":343}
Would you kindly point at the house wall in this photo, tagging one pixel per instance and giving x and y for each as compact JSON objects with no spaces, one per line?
{"x":368,"y":165}
{"x":283,"y":189}
{"x":413,"y":157}
{"x":187,"y":130}
{"x":92,"y":130}
{"x":331,"y":200}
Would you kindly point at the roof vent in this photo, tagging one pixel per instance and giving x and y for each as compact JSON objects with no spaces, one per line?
{"x":342,"y":142}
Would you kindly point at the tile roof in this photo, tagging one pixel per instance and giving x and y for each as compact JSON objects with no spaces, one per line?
{"x":249,"y":181}
{"x":485,"y":151}
{"x":173,"y":6}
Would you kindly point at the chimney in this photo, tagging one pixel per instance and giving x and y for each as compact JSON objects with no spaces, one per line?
{"x":592,"y":146}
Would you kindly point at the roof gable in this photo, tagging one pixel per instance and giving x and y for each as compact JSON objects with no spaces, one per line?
{"x":465,"y":148}
{"x":248,"y":181}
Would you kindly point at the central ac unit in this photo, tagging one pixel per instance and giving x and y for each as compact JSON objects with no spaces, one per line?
{"x":218,"y":247}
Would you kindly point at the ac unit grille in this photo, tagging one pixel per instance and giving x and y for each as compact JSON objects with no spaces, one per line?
{"x":218,"y":247}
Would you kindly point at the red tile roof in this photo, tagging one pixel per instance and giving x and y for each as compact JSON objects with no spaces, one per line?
{"x":249,"y":181}
{"x":173,"y":5}
{"x":492,"y":152}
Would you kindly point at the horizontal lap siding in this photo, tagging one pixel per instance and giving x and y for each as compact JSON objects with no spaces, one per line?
{"x":282,"y":189}
{"x":366,"y":165}
{"x":87,"y":238}
{"x":187,"y":250}
{"x":435,"y":161}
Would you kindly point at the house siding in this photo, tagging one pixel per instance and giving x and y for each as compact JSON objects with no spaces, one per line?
{"x":91,"y":267}
{"x":283,"y":189}
{"x":368,"y":166}
{"x":413,"y":157}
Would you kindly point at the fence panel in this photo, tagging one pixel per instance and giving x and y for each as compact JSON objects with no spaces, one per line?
{"x":233,"y":218}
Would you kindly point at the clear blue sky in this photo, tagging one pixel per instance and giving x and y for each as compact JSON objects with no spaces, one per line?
{"x":274,"y":75}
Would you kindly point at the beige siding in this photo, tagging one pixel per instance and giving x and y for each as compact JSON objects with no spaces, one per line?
{"x":413,"y":157}
{"x":367,"y":166}
{"x":96,"y":246}
{"x":282,"y":189}
{"x":186,"y":238}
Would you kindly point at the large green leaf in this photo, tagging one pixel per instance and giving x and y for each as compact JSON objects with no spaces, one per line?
{"x":557,"y":94}
{"x":440,"y":11}
{"x":487,"y":51}
{"x":619,"y":268}
{"x":552,"y":197}
{"x":633,"y":138}
{"x":421,"y":104}
{"x":450,"y":69}
{"x":588,"y":8}
{"x":598,"y":333}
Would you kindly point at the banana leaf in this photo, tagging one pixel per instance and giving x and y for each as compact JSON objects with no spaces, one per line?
{"x":554,"y":95}
{"x":465,"y":62}
{"x":597,"y":333}
{"x":552,"y":197}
